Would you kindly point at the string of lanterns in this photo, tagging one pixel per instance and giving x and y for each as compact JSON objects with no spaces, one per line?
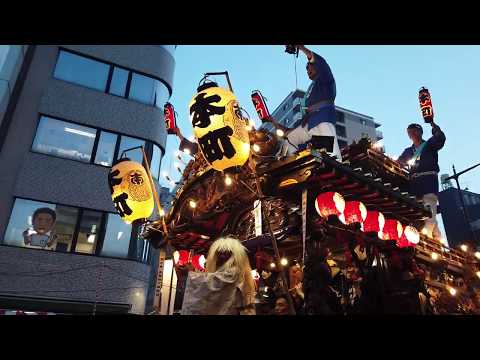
{"x":350,"y":212}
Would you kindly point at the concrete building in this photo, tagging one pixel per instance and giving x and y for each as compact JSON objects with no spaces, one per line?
{"x":351,"y":126}
{"x":456,"y":227}
{"x":71,"y":110}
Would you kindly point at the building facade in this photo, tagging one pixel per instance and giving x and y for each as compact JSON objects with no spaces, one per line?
{"x":72,"y":110}
{"x":456,"y":227}
{"x":351,"y":126}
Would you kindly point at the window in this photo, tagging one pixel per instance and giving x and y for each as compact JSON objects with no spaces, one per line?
{"x":341,"y":130}
{"x":81,"y":70}
{"x":142,"y":89}
{"x":161,"y":94}
{"x":155,"y":162}
{"x":340,"y":117}
{"x":106,"y":148}
{"x":128,"y":143}
{"x":62,"y":139}
{"x":88,"y":232}
{"x":39,"y":225}
{"x":117,"y":237}
{"x":118,"y":85}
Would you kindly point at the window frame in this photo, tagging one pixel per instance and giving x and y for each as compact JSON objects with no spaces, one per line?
{"x":110,"y":75}
{"x":102,"y":231}
{"x":96,"y":142}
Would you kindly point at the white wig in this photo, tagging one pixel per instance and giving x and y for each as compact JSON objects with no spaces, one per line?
{"x":238,"y":263}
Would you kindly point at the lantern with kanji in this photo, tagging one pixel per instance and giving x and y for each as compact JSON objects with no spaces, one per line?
{"x":260,"y":105}
{"x":131,"y":190}
{"x":426,"y":104}
{"x":169,"y":115}
{"x":329,"y":203}
{"x":392,"y":230}
{"x":374,"y":221}
{"x":219,"y":127}
{"x":354,"y":212}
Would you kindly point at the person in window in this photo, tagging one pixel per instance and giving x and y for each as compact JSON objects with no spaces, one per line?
{"x":43,"y":222}
{"x":226,"y":288}
{"x":318,"y":106}
{"x":422,"y":159}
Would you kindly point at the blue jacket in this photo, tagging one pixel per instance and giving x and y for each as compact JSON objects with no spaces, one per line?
{"x":323,"y":88}
{"x":428,"y":161}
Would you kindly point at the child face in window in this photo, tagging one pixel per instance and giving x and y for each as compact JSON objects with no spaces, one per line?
{"x":43,"y":223}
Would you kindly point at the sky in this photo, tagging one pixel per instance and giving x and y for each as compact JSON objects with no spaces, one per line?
{"x":379,"y":81}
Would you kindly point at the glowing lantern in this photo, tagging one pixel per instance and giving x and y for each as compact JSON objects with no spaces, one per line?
{"x":373,"y":222}
{"x":411,"y":234}
{"x":425,"y":104}
{"x":392,"y":230}
{"x":131,"y":191}
{"x":169,"y":115}
{"x":198,"y":262}
{"x":260,"y":105}
{"x":219,"y":127}
{"x":354,"y":212}
{"x":181,"y":258}
{"x":329,"y":203}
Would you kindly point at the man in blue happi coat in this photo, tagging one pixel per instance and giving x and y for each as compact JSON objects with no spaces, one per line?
{"x":422,"y":159}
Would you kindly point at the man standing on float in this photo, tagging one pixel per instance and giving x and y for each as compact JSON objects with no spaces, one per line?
{"x":318,"y":106}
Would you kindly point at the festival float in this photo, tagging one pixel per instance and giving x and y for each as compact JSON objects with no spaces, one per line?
{"x":356,"y":216}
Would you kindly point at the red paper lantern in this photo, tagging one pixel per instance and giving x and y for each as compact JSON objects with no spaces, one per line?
{"x":403,"y":242}
{"x":329,"y":203}
{"x":181,"y":257}
{"x":374,"y":221}
{"x":392,"y":230}
{"x":198,"y":262}
{"x":354,"y":212}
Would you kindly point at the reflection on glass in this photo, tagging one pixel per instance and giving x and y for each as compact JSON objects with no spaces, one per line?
{"x":117,"y":237}
{"x":105,"y":148}
{"x":31,"y":225}
{"x":65,"y":227}
{"x":118,"y":84}
{"x":128,"y":143}
{"x":81,"y":70}
{"x":89,"y":232}
{"x":142,"y":89}
{"x":67,"y":140}
{"x":161,"y":94}
{"x":155,"y":163}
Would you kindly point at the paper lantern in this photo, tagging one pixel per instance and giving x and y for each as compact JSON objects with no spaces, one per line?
{"x":169,"y":115}
{"x":329,"y":203}
{"x":181,"y":258}
{"x":260,"y":105}
{"x":403,"y":242}
{"x":411,"y":234}
{"x":354,"y":212}
{"x":198,"y":262}
{"x":219,"y":128}
{"x":131,"y":191}
{"x":373,"y":222}
{"x":392,"y":230}
{"x":425,"y":104}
